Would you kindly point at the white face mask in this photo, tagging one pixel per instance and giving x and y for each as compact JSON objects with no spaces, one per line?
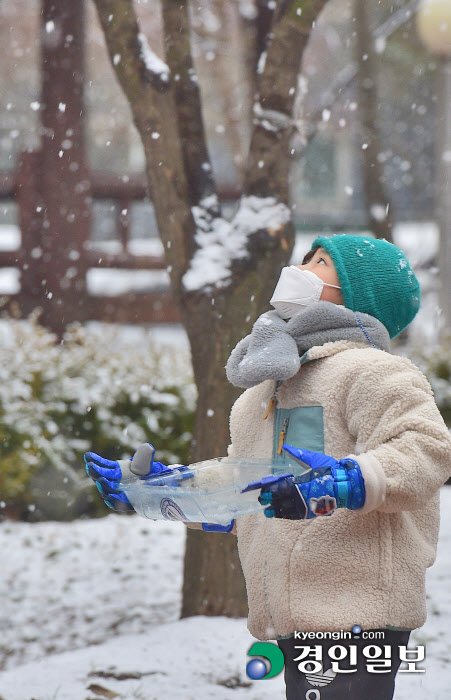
{"x":296,"y":288}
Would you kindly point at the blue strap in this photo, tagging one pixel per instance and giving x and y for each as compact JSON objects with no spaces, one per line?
{"x":341,"y":486}
{"x":357,"y":484}
{"x":213,"y":527}
{"x":182,"y":472}
{"x":365,"y":332}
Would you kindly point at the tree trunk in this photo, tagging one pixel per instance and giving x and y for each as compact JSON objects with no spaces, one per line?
{"x":166,"y":109}
{"x":213,"y":583}
{"x":377,"y":201}
{"x":63,"y":182}
{"x":442,"y":194}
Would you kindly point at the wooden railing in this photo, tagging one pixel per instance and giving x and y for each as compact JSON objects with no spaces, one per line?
{"x":153,"y":306}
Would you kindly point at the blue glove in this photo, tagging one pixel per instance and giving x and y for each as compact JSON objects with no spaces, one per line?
{"x":329,"y":484}
{"x":107,"y":474}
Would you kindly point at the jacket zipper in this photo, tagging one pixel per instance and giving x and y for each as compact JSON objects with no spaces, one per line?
{"x":273,"y":404}
{"x":282,"y":435}
{"x":272,"y":401}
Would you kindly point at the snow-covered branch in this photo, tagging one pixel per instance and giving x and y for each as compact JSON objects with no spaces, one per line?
{"x":221,"y":243}
{"x":156,"y":68}
{"x":271,"y":119}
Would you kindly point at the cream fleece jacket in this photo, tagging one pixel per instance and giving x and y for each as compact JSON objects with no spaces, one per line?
{"x":363,"y":567}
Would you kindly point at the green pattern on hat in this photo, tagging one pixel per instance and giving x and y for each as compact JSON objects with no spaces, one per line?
{"x":375,"y":277}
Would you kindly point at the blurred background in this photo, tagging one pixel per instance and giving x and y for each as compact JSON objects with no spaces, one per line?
{"x":405,"y":105}
{"x":93,"y":353}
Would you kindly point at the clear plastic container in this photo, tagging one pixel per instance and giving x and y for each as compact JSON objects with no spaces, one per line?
{"x":213,"y":491}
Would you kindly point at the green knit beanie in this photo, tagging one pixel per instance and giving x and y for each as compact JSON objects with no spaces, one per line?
{"x":375,"y":277}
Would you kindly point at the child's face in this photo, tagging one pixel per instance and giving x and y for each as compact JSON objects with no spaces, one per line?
{"x":320,"y":262}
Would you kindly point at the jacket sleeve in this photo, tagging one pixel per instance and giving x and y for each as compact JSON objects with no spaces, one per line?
{"x":402,"y":443}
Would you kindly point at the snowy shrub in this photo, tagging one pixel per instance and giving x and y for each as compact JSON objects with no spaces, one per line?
{"x":88,"y":392}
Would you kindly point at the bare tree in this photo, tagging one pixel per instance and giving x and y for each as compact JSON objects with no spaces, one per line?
{"x":221,"y":272}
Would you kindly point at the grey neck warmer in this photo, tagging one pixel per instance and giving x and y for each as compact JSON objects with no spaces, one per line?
{"x":273,"y":348}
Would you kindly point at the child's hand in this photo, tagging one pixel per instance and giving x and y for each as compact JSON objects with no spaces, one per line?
{"x":108,"y":473}
{"x":329,"y":484}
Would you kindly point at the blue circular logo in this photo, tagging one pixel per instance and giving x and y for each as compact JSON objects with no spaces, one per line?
{"x":171,"y":511}
{"x":256,"y":669}
{"x":356,"y":629}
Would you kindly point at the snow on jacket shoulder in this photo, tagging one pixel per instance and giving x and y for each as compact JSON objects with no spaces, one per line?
{"x":362,"y":567}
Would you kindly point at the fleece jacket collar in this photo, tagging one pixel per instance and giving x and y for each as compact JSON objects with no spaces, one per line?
{"x":329,"y":349}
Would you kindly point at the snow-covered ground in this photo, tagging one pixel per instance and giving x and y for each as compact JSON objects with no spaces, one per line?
{"x":90,"y":611}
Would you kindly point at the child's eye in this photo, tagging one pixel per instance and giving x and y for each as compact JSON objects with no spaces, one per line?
{"x":321,"y":260}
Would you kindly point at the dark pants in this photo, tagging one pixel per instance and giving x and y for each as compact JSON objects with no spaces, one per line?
{"x":314,"y":683}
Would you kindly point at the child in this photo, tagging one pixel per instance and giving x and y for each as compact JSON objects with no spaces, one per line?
{"x":348,"y":543}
